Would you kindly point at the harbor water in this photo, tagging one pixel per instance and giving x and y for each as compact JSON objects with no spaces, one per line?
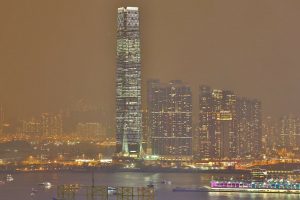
{"x":24,"y":183}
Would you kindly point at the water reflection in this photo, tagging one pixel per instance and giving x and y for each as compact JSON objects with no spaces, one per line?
{"x":21,"y":187}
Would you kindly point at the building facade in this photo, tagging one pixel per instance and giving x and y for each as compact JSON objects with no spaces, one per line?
{"x":128,"y":83}
{"x":31,"y":127}
{"x":289,"y":136}
{"x":270,"y":138}
{"x":170,"y":118}
{"x":217,"y":124}
{"x":249,"y":128}
{"x":51,"y":124}
{"x":229,"y":127}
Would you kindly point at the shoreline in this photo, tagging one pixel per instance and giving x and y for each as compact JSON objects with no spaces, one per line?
{"x":90,"y":170}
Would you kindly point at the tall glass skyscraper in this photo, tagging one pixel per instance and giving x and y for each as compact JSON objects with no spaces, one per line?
{"x":128,"y":83}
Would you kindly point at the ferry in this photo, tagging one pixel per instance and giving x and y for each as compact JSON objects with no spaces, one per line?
{"x":46,"y":185}
{"x":267,"y":186}
{"x":9,"y":178}
{"x":33,"y":192}
{"x":270,"y":186}
{"x":258,"y":184}
{"x":111,"y":190}
{"x":165,"y":182}
{"x":150,"y":184}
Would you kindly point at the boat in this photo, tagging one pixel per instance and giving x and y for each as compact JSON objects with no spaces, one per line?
{"x":166,"y":182}
{"x":33,"y":191}
{"x":46,"y":185}
{"x":258,"y":183}
{"x":9,"y":178}
{"x":269,"y":186}
{"x":266,"y":186}
{"x":111,"y":190}
{"x":150,"y":184}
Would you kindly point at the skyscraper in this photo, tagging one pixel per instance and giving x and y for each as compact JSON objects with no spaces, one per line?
{"x":206,"y":124}
{"x":51,"y":124}
{"x":217,"y":124}
{"x":270,"y":136}
{"x":289,"y":132}
{"x":229,"y":126}
{"x":249,"y":128}
{"x":128,"y":83}
{"x":170,"y":118}
{"x":31,"y":127}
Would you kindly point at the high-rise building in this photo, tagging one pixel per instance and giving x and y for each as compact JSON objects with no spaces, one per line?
{"x":270,"y":137}
{"x":51,"y":124}
{"x":217,"y":124}
{"x":31,"y":127}
{"x":204,"y":137}
{"x":289,"y":132}
{"x":249,"y":128}
{"x":229,"y":127}
{"x":170,"y":118}
{"x":146,"y":142}
{"x":128,"y":83}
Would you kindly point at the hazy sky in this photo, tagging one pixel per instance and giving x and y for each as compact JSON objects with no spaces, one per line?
{"x":53,"y":52}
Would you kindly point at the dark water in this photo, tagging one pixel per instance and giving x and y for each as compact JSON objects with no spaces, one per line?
{"x":21,"y":187}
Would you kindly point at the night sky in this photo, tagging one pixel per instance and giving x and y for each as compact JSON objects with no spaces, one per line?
{"x":54,"y":52}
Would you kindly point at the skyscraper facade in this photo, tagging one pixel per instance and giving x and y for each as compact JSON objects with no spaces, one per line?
{"x":289,"y":132}
{"x":128,"y":83}
{"x":217,"y":124}
{"x":249,"y":128}
{"x":31,"y":127}
{"x":229,"y":127}
{"x":51,"y":124}
{"x":204,"y":135}
{"x":270,"y":138}
{"x":170,"y":118}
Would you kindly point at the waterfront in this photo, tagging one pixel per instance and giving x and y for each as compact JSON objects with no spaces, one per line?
{"x":21,"y":187}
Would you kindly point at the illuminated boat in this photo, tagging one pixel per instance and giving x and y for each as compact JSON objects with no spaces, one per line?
{"x":46,"y":185}
{"x":9,"y":178}
{"x":111,"y":190}
{"x":259,"y":183}
{"x":267,"y":186}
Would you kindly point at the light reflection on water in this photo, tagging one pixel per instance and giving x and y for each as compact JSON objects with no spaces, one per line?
{"x":21,"y":188}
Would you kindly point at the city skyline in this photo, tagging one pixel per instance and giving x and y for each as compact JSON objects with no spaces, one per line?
{"x":155,"y":99}
{"x":65,"y":71}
